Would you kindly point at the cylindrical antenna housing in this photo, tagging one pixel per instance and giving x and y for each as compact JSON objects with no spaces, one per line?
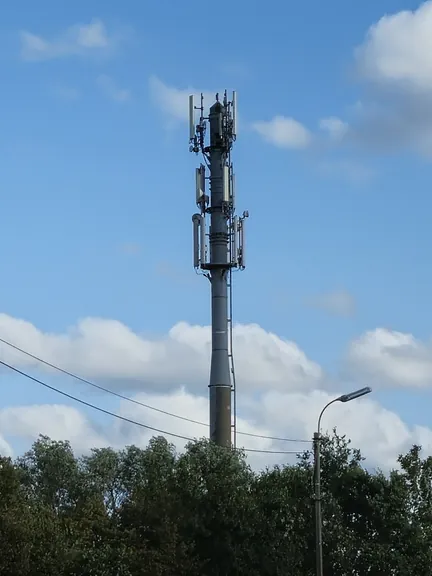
{"x":191,"y":117}
{"x":203,"y":247}
{"x":200,"y":183}
{"x":196,"y":219}
{"x":234,"y":112}
{"x":235,"y":244}
{"x":233,"y":182}
{"x":226,"y":184}
{"x":242,"y":260}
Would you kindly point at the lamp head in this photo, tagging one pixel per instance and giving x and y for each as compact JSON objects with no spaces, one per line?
{"x":355,"y":394}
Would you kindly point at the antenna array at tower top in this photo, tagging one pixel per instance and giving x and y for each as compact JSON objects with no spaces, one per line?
{"x":223,"y":137}
{"x":197,"y":132}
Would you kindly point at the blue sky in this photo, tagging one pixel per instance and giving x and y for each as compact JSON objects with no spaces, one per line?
{"x":98,"y":183}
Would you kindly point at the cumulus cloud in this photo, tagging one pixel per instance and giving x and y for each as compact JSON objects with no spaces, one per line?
{"x":380,"y":433}
{"x":78,"y":40}
{"x":335,"y":127}
{"x":174,"y":102}
{"x":5,"y":448}
{"x":337,"y":303}
{"x":284,"y":132}
{"x":58,"y":421}
{"x":278,"y":388}
{"x":66,"y":93}
{"x":107,"y":349}
{"x":395,"y":60}
{"x":391,"y":358}
{"x":398,"y":49}
{"x":108,"y":86}
{"x":280,"y":131}
{"x":394,"y":63}
{"x":351,"y":171}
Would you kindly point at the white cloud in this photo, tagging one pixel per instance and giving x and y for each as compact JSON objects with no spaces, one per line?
{"x":78,"y":40}
{"x":395,"y":59}
{"x":380,"y":433}
{"x":391,"y":358}
{"x":57,"y":421}
{"x":278,"y":385}
{"x":338,"y":303}
{"x":398,"y":49}
{"x":108,"y":86}
{"x":99,"y":348}
{"x":174,"y":102}
{"x":5,"y":448}
{"x":66,"y":93}
{"x":284,"y":132}
{"x":334,"y":126}
{"x":350,"y":171}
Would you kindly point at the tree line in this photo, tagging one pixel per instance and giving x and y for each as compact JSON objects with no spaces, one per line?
{"x":205,"y":512}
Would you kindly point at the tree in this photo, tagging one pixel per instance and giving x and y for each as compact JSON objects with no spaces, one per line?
{"x":213,"y":492}
{"x":283,"y":532}
{"x":151,"y":515}
{"x":15,"y":522}
{"x":154,"y":512}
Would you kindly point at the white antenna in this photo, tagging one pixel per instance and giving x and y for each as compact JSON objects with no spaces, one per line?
{"x":242,"y":251}
{"x":233,"y":183}
{"x":196,"y":219}
{"x":203,"y":245}
{"x":234,"y":113}
{"x":235,"y":244}
{"x":226,"y":183}
{"x":200,"y":183}
{"x":191,"y":117}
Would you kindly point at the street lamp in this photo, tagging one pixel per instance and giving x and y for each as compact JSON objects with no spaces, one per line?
{"x":317,"y":474}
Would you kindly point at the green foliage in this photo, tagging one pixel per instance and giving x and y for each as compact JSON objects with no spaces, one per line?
{"x":153,"y":512}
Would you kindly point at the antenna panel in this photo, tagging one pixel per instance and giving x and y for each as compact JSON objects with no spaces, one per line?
{"x":235,"y":244}
{"x":242,"y":257}
{"x":226,"y":183}
{"x":191,"y":117}
{"x":233,"y":182}
{"x":200,"y":183}
{"x":234,"y":113}
{"x":203,"y":247}
{"x":196,"y":218}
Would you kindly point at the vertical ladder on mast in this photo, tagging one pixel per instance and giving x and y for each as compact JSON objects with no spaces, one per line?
{"x":230,"y":343}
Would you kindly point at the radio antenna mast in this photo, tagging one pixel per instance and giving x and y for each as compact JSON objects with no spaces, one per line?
{"x":219,"y":251}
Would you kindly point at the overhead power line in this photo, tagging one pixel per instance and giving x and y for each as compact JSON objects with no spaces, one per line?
{"x":137,"y":402}
{"x":129,"y":420}
{"x":89,"y":404}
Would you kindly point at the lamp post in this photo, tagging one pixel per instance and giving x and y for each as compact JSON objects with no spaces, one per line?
{"x":317,"y":474}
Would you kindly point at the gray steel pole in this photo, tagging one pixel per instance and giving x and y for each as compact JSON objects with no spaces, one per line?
{"x":318,"y":516}
{"x":220,"y":379}
{"x":317,"y":474}
{"x":317,"y":490}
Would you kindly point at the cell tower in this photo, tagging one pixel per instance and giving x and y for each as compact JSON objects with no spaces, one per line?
{"x":219,"y":251}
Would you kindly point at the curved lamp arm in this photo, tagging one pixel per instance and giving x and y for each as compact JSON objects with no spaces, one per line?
{"x":344,"y":398}
{"x":322,"y":412}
